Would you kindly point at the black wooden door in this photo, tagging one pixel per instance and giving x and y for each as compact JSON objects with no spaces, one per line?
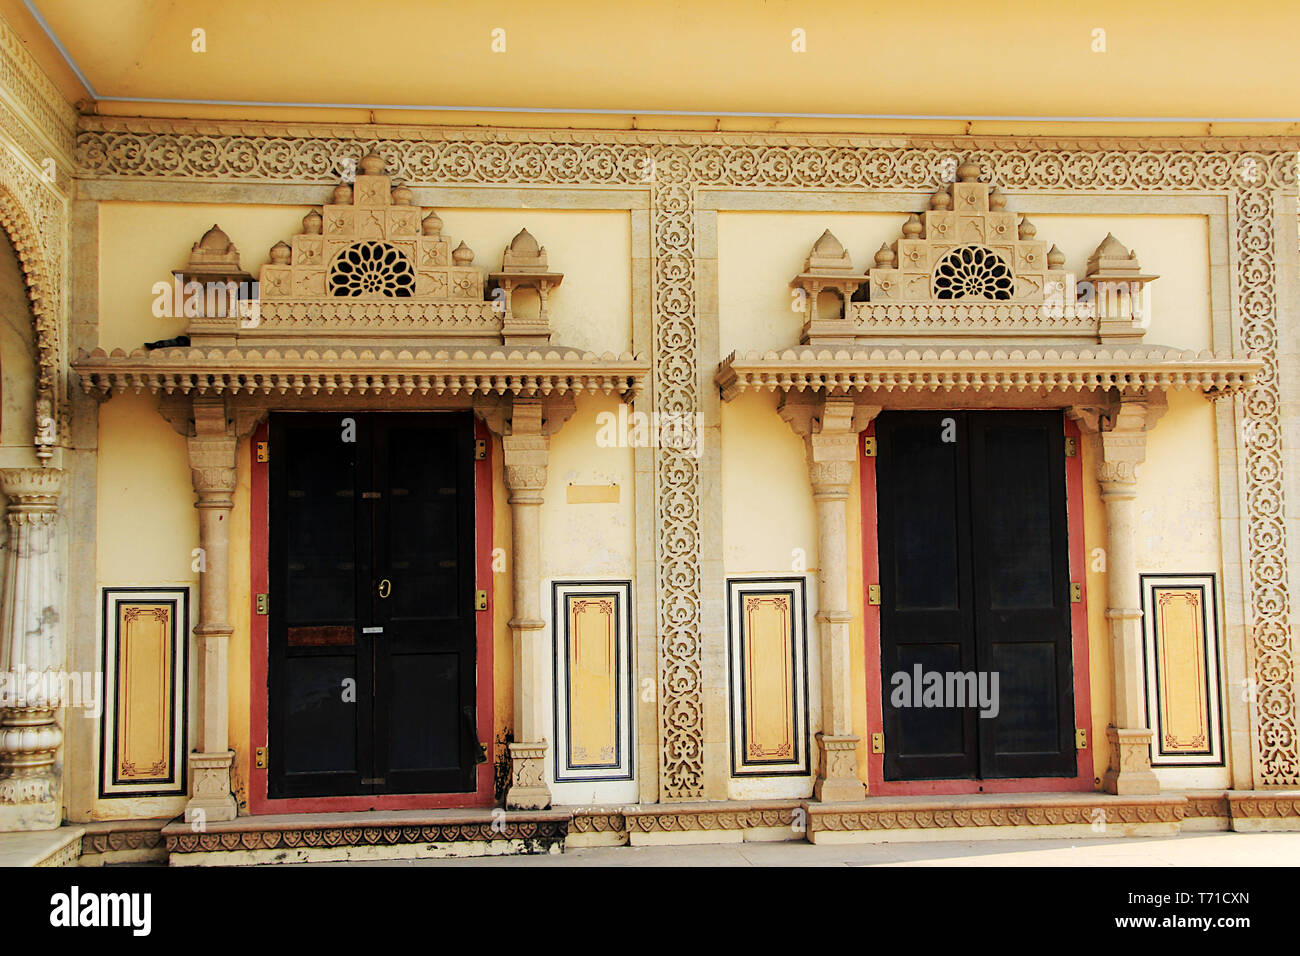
{"x":974,"y":578}
{"x":372,"y":649}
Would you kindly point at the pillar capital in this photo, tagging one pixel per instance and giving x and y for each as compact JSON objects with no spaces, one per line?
{"x":829,"y":426}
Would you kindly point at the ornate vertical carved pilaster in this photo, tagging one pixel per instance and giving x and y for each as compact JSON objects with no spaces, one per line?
{"x":526,"y":425}
{"x":1118,"y":431}
{"x":829,"y":428}
{"x":212,"y":468}
{"x":31,"y":654}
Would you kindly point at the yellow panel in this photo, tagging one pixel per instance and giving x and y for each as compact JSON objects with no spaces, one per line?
{"x":593,"y":681}
{"x":1180,"y":645}
{"x":144,"y":691}
{"x":769,"y":690}
{"x":592,"y":494}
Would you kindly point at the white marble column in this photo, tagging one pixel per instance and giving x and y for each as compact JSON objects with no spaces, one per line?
{"x":830,"y":429}
{"x":212,"y":466}
{"x":1119,"y":439}
{"x":31,"y":654}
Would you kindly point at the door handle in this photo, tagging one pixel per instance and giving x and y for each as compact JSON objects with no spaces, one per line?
{"x":372,"y":630}
{"x":385,"y":588}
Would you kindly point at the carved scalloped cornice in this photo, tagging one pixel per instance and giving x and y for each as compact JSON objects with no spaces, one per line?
{"x":360,"y":371}
{"x":976,"y":370}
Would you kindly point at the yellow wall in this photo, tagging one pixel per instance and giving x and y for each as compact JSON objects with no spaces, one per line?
{"x":584,"y":540}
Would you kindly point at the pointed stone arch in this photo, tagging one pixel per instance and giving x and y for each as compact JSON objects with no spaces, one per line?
{"x":26,"y":224}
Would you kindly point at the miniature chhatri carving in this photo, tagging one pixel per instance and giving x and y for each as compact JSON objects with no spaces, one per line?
{"x":523,"y":266}
{"x":967,"y":267}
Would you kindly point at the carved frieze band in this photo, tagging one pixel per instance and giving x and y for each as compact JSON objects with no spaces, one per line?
{"x":674,"y":166}
{"x":541,"y":833}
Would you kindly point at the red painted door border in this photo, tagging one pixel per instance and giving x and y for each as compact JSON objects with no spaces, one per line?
{"x":258,"y":801}
{"x":1084,"y":779}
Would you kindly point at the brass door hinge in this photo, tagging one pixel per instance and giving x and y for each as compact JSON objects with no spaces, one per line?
{"x":482,"y":753}
{"x":877,"y":743}
{"x":1076,"y":592}
{"x":263,"y":603}
{"x":1080,"y":739}
{"x":1071,"y":447}
{"x":480,"y":449}
{"x":873,"y":593}
{"x":262,"y":757}
{"x":869,"y":447}
{"x":263,"y":451}
{"x":480,"y":600}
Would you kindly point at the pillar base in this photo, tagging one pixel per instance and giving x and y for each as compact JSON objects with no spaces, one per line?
{"x":20,"y":811}
{"x":29,"y":782}
{"x":837,"y":775}
{"x":1130,"y":770}
{"x":528,"y":777}
{"x":210,"y":798}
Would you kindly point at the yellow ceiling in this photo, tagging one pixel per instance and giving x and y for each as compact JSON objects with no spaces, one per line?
{"x":1164,"y":58}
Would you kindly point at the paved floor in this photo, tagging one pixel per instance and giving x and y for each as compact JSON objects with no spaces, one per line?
{"x":1191,"y":849}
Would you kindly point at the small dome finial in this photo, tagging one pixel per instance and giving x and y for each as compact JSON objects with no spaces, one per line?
{"x":214,"y":240}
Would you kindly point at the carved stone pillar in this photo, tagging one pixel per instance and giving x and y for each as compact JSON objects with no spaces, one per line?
{"x":212,"y":467}
{"x":31,"y":654}
{"x":1119,"y":436}
{"x":526,"y":425}
{"x":829,"y":429}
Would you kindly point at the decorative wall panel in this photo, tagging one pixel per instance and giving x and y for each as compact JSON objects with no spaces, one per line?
{"x":1252,"y":175}
{"x":143,"y":727}
{"x":593,"y":680}
{"x":1180,"y":628}
{"x":767,"y":651}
